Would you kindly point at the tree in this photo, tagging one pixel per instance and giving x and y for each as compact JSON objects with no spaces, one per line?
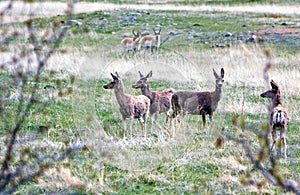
{"x":29,"y":48}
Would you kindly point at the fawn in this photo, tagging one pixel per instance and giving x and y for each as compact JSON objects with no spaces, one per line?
{"x":198,"y":103}
{"x":279,"y":118}
{"x":131,"y":44}
{"x":151,"y":41}
{"x":130,"y":106}
{"x":160,"y":101}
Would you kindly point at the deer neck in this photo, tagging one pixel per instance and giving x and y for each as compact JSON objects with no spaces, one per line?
{"x":216,"y":96}
{"x":276,"y":101}
{"x":120,"y":95}
{"x":147,"y":92}
{"x":157,"y":40}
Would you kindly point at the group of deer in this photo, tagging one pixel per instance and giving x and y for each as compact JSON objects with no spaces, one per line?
{"x":187,"y":102}
{"x":148,"y":42}
{"x":153,"y":102}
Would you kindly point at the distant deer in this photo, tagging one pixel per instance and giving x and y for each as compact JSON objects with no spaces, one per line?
{"x":160,"y":101}
{"x":132,"y":44}
{"x":279,"y":118}
{"x":130,"y":106}
{"x":151,"y":41}
{"x":198,"y":103}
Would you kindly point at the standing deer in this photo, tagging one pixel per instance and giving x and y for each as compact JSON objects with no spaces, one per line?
{"x":198,"y":103}
{"x":130,"y":106}
{"x":131,"y":44}
{"x":279,"y":118}
{"x":151,"y":41}
{"x":160,"y":101}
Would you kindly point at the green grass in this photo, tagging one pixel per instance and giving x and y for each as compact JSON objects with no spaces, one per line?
{"x":188,"y":164}
{"x":208,"y":26}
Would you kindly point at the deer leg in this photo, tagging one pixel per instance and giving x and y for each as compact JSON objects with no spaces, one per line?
{"x":204,"y":118}
{"x":124,"y":127}
{"x":130,"y":127}
{"x":143,"y":125}
{"x":152,"y":121}
{"x":145,"y":120}
{"x":274,"y":138}
{"x":127,"y":54}
{"x":167,"y":117}
{"x":180,"y":118}
{"x":155,"y":119}
{"x":283,"y":143}
{"x":145,"y":49}
{"x":211,"y":119}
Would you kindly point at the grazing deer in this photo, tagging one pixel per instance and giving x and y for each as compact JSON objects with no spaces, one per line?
{"x":279,"y":118}
{"x":131,"y":44}
{"x":198,"y":103}
{"x":160,"y":101}
{"x":151,"y":41}
{"x":130,"y":106}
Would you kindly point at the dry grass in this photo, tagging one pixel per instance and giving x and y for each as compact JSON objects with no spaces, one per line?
{"x":243,"y":66}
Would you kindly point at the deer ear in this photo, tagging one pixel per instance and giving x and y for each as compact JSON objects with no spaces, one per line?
{"x":274,"y":85}
{"x":141,"y":75}
{"x":222,"y":72}
{"x":114,"y":76}
{"x":216,"y":75}
{"x":149,"y":75}
{"x":118,"y":75}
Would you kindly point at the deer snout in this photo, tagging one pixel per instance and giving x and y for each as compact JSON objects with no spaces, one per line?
{"x":262,"y":95}
{"x":106,"y":86}
{"x":135,"y":86}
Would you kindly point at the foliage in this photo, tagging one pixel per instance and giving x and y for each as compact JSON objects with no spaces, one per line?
{"x":200,"y":161}
{"x":23,"y":105}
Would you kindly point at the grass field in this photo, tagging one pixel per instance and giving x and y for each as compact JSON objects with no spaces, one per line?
{"x":190,"y":163}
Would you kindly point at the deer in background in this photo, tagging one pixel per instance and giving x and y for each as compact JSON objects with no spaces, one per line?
{"x":131,"y":44}
{"x":198,"y":103}
{"x":151,"y":41}
{"x":160,"y":101}
{"x":130,"y":106}
{"x":279,"y":118}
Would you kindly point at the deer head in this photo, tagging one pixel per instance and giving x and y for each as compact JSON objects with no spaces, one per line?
{"x":114,"y":83}
{"x":272,"y":92}
{"x":156,"y":32}
{"x":219,"y":78}
{"x":143,"y":80}
{"x":136,"y":36}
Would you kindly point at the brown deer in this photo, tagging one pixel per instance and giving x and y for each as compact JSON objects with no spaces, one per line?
{"x":130,"y":106}
{"x":160,"y":101}
{"x":279,"y":118}
{"x":151,"y":41}
{"x":131,"y":44}
{"x":198,"y":103}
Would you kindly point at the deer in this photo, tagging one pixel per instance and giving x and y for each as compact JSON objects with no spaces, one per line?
{"x":131,"y":44}
{"x":160,"y":102}
{"x":151,"y":41}
{"x":130,"y":106}
{"x":198,"y":103}
{"x":279,"y":117}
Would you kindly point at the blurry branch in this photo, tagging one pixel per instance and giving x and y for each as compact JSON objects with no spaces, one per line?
{"x":6,"y":8}
{"x":39,"y":168}
{"x":30,"y":165}
{"x":264,"y":155}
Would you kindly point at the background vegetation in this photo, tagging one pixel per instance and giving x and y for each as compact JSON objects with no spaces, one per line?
{"x":80,"y":110}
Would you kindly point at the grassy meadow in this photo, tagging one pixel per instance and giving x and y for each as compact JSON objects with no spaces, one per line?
{"x":193,"y":44}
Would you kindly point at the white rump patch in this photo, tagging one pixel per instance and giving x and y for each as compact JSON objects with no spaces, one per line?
{"x":278,"y":118}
